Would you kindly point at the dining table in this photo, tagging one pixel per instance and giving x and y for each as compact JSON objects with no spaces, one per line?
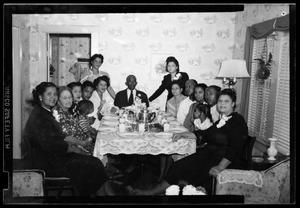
{"x":111,"y":141}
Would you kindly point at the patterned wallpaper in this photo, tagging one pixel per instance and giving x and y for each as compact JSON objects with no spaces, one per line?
{"x":139,"y":43}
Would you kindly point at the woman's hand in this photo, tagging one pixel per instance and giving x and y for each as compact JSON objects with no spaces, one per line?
{"x":214,"y":171}
{"x":75,"y":149}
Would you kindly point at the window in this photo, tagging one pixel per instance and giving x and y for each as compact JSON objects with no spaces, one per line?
{"x":268,"y":114}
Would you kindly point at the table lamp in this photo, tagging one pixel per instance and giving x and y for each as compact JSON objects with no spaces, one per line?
{"x":232,"y":69}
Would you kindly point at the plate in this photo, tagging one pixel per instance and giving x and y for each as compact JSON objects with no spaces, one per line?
{"x":110,"y":123}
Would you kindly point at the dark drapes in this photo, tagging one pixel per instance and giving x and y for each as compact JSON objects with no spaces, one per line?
{"x":264,"y":29}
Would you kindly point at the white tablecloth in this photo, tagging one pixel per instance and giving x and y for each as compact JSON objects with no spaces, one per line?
{"x":146,"y":143}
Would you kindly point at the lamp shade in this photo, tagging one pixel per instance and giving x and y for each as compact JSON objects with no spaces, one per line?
{"x":233,"y":68}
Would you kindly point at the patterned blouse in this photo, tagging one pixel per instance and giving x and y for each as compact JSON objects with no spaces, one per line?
{"x":69,"y":124}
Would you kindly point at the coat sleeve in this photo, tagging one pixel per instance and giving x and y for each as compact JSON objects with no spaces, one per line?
{"x":145,"y":99}
{"x":160,"y":90}
{"x":116,"y":101}
{"x":49,"y":138}
{"x":237,"y":131}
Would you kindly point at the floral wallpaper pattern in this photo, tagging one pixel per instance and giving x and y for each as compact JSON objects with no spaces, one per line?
{"x":135,"y":43}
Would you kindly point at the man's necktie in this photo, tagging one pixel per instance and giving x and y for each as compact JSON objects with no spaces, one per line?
{"x":130,"y":98}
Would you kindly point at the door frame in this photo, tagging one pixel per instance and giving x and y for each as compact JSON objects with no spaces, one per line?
{"x":65,"y":29}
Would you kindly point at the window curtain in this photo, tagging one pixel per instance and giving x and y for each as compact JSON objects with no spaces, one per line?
{"x":257,"y":31}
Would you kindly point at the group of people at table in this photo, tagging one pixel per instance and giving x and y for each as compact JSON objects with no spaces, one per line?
{"x":60,"y":133}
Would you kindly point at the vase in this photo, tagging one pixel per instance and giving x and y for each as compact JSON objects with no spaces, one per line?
{"x":272,"y":151}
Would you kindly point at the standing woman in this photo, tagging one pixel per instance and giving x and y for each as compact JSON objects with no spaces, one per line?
{"x":49,"y":151}
{"x":100,"y":98}
{"x":172,"y":66}
{"x":95,"y":62}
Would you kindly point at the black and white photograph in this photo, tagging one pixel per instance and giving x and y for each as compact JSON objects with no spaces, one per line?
{"x":149,"y":103}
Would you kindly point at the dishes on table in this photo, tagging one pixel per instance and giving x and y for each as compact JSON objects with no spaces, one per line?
{"x":109,"y":123}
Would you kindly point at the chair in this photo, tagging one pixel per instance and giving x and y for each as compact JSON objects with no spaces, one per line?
{"x":246,"y":158}
{"x":271,"y":186}
{"x":59,"y":184}
{"x":28,"y":183}
{"x":247,"y":152}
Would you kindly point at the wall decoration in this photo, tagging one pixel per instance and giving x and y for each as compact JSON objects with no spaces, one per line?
{"x":170,"y":33}
{"x":143,"y":32}
{"x":182,"y":47}
{"x":184,"y":18}
{"x":115,"y":32}
{"x":155,"y":47}
{"x":157,"y":18}
{"x":141,"y":61}
{"x":210,"y":19}
{"x":129,"y":46}
{"x":194,"y":61}
{"x":130,"y":18}
{"x":102,"y":17}
{"x":224,"y":34}
{"x":198,"y":33}
{"x":115,"y":60}
{"x":209,"y":48}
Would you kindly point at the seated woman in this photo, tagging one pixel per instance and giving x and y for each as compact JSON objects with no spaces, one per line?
{"x":101,"y":99}
{"x":174,"y":102}
{"x":67,"y":120}
{"x":49,"y":151}
{"x":199,"y":98}
{"x":225,"y":140}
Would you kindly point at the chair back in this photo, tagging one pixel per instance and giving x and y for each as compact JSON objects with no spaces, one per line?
{"x":28,"y":183}
{"x":247,"y":151}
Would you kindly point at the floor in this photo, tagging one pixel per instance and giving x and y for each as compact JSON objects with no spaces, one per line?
{"x":142,"y":177}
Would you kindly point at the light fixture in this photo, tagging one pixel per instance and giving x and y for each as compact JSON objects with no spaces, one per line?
{"x":232,"y":69}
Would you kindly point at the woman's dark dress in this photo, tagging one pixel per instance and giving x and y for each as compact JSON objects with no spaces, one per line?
{"x":224,"y":142}
{"x":48,"y":151}
{"x":166,"y":84}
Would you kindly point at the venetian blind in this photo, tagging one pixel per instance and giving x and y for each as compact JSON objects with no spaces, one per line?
{"x":258,"y":119}
{"x":281,"y":129}
{"x":269,"y":106}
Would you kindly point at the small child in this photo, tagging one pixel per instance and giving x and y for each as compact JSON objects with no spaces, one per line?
{"x":202,"y":118}
{"x":76,"y":91}
{"x":85,"y":107}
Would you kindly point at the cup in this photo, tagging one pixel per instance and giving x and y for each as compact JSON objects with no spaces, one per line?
{"x":166,"y":127}
{"x":142,"y":127}
{"x":122,"y":127}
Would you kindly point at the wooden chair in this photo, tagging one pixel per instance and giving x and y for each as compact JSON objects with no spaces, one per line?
{"x":246,"y":158}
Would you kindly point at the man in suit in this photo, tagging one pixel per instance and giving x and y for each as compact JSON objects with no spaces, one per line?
{"x":126,"y":97}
